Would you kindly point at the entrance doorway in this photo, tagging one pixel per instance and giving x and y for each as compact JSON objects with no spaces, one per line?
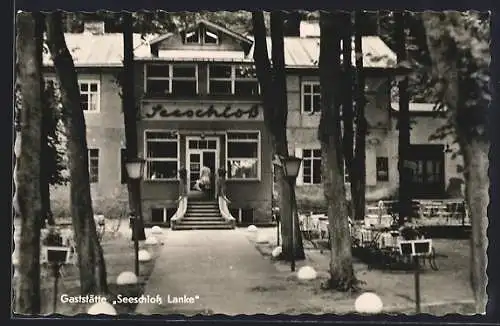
{"x":202,"y":152}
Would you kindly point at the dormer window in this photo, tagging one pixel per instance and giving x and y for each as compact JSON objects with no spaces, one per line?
{"x":201,"y":36}
{"x":193,"y":37}
{"x":211,"y":38}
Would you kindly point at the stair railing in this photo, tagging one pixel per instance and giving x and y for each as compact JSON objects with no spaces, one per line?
{"x":222,"y":198}
{"x":182,"y":201}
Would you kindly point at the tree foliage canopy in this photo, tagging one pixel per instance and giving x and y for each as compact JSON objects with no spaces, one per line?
{"x":54,"y":156}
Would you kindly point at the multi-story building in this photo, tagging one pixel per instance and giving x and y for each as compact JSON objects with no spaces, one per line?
{"x":200,"y":107}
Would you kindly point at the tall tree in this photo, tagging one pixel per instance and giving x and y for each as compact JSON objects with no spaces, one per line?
{"x":44,"y":140}
{"x":458,"y":44}
{"x":358,"y":171}
{"x":347,"y":104}
{"x":90,"y":256}
{"x":272,"y":80}
{"x":52,"y":160}
{"x":342,"y":275}
{"x":130,"y":112}
{"x":29,"y":50}
{"x":403,"y":121}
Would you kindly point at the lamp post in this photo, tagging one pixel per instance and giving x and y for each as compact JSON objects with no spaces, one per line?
{"x":291,"y":167}
{"x":135,"y":171}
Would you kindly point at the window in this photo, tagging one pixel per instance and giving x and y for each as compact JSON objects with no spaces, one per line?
{"x":243,"y":216}
{"x":123,"y":167}
{"x":184,"y":80}
{"x":193,"y":37}
{"x":157,"y":215}
{"x":162,"y":155}
{"x":243,"y":155}
{"x":94,"y":165}
{"x":245,"y":82}
{"x":382,"y":169}
{"x":162,"y":214}
{"x":311,"y":97}
{"x":162,"y":79}
{"x":202,"y":144}
{"x":89,"y":95}
{"x":202,"y":36}
{"x":220,"y":79}
{"x":311,"y":166}
{"x":247,"y":216}
{"x":211,"y":38}
{"x":238,"y":80}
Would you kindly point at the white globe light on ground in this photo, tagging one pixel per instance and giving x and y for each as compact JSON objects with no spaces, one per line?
{"x":156,"y":230}
{"x":126,"y":278}
{"x":144,"y":255}
{"x":102,"y":308}
{"x":368,"y":303}
{"x":261,"y":238}
{"x":252,"y":228}
{"x":276,"y":252}
{"x":306,"y":273}
{"x":151,"y":240}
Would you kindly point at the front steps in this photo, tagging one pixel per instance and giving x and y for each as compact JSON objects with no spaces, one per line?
{"x":202,"y":215}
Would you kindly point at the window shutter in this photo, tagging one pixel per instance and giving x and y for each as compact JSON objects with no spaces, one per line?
{"x":371,"y":167}
{"x":300,"y":176}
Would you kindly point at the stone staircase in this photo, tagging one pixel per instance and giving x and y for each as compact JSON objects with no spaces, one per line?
{"x":202,"y":215}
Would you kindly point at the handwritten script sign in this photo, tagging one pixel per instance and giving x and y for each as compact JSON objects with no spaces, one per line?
{"x":210,"y":112}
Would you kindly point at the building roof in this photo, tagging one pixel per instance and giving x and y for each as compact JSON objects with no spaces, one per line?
{"x":418,"y":107}
{"x":107,"y":51}
{"x":303,"y":52}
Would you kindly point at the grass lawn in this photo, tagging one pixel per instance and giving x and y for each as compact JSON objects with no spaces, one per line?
{"x":442,"y":292}
{"x":119,"y":256}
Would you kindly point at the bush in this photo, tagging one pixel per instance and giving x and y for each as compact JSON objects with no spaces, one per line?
{"x":311,"y":205}
{"x":111,"y":208}
{"x":108,"y":208}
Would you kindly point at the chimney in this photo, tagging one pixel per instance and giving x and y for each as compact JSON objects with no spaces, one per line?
{"x":94,"y":27}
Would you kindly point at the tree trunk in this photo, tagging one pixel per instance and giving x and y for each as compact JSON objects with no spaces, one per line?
{"x":47,"y":113}
{"x":473,"y":145}
{"x":28,"y":48}
{"x":272,"y":80}
{"x":476,"y":155}
{"x":90,"y":255}
{"x":341,"y":266}
{"x":347,"y":107}
{"x":405,"y":207}
{"x":130,"y":114}
{"x":358,"y":170}
{"x":279,"y":91}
